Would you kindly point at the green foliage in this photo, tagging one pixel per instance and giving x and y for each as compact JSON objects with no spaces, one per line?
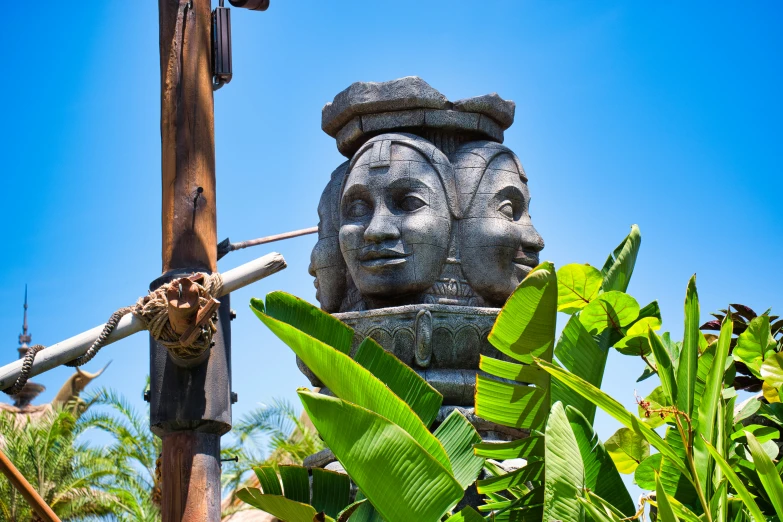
{"x":707,"y":467}
{"x":71,"y":477}
{"x":285,"y":492}
{"x":378,"y":419}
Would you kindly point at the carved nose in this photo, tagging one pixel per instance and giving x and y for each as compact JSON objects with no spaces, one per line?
{"x":533,"y":241}
{"x":381,"y":228}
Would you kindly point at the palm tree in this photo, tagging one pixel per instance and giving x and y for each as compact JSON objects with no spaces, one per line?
{"x":134,"y":452}
{"x":291,"y":438}
{"x":70,"y":476}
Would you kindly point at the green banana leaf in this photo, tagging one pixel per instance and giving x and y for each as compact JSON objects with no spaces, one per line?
{"x":577,"y":355}
{"x":619,"y":266}
{"x":767,"y":473}
{"x":525,"y":327}
{"x":565,"y":474}
{"x":738,"y":485}
{"x":532,"y":472}
{"x":665,"y":512}
{"x":288,"y":496}
{"x":665,"y":368}
{"x":458,"y":437}
{"x":278,"y":506}
{"x":532,"y":446}
{"x":423,"y":399}
{"x":310,"y":319}
{"x":707,"y":419}
{"x":523,"y":373}
{"x":579,"y":352}
{"x":466,"y":515}
{"x":414,"y":485}
{"x":352,"y":382}
{"x":510,"y":404}
{"x":612,"y":407}
{"x":601,"y":475}
{"x":688,"y":367}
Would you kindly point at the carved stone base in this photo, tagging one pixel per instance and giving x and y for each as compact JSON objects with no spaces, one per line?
{"x":443,"y":343}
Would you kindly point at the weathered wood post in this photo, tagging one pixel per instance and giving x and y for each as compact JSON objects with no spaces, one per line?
{"x":190,"y":407}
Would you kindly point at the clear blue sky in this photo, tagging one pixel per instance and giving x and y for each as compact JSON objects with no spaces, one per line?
{"x":658,"y":113}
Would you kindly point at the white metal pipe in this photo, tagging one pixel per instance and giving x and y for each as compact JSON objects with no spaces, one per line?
{"x":69,"y":349}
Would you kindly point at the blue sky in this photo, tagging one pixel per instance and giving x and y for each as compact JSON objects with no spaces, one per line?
{"x":661,"y":114}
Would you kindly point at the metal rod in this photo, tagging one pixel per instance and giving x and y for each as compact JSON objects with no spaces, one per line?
{"x":32,"y":497}
{"x":225,"y":246}
{"x":67,"y":350}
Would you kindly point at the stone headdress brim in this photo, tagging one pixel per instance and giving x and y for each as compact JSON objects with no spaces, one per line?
{"x":367,"y":109}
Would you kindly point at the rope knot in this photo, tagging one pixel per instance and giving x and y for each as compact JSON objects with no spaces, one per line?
{"x":180,"y":315}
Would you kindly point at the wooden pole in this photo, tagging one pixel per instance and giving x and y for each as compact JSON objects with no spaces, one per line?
{"x":191,"y":448}
{"x":29,"y":493}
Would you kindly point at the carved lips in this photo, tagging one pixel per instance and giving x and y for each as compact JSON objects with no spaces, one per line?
{"x":526,"y":258}
{"x":373,"y":258}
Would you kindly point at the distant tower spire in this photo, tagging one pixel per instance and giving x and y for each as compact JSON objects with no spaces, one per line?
{"x":31,"y":389}
{"x":24,"y":338}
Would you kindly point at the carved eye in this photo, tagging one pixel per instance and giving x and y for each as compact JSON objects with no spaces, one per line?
{"x":358,"y":209}
{"x":507,"y":209}
{"x":411,"y":203}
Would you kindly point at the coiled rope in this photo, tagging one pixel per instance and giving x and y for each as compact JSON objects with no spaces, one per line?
{"x":153,"y":311}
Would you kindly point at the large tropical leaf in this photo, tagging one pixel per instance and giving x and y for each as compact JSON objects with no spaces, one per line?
{"x":414,"y":485}
{"x":609,"y":310}
{"x":754,"y":344}
{"x":612,"y":407}
{"x":466,"y":515}
{"x":619,"y":266}
{"x":288,"y":497}
{"x":665,"y":368}
{"x":277,"y":505}
{"x":565,"y":475}
{"x":577,"y":285}
{"x":458,"y":437}
{"x":738,"y":485}
{"x":687,"y":368}
{"x":401,"y":379}
{"x":768,"y":474}
{"x":352,"y":382}
{"x":665,"y":511}
{"x":308,"y":318}
{"x":532,"y":446}
{"x":601,"y":476}
{"x":510,"y":404}
{"x":627,"y":449}
{"x":525,"y":327}
{"x":580,"y":354}
{"x":707,"y":420}
{"x":574,"y":352}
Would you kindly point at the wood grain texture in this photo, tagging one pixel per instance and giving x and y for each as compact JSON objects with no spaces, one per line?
{"x":187,"y":123}
{"x":191,"y":477}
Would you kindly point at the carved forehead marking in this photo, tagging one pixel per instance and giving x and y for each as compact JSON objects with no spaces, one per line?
{"x":381,"y":154}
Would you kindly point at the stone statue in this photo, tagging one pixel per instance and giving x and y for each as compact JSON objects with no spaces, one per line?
{"x":498,"y":244}
{"x":425,"y":231}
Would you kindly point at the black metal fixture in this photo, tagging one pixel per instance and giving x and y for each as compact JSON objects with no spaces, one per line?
{"x":253,"y":5}
{"x":221,"y":38}
{"x":221,"y":46}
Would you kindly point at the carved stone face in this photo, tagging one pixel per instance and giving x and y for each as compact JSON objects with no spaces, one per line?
{"x":394,"y":223}
{"x":326,"y":261}
{"x":499,"y":244}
